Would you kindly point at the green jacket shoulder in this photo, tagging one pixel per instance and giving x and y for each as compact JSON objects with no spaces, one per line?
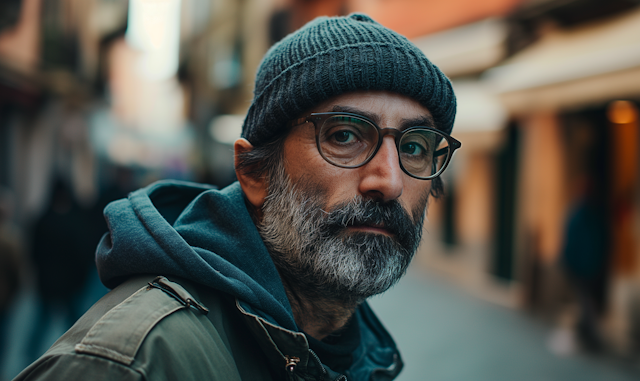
{"x":154,"y":329}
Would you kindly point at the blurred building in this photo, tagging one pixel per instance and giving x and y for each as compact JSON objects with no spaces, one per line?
{"x":106,"y":96}
{"x":548,"y":118}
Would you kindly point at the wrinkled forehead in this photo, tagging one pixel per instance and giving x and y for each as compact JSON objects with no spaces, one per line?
{"x":385,"y":108}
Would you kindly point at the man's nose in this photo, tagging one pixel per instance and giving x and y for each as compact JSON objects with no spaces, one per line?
{"x":382,"y":177}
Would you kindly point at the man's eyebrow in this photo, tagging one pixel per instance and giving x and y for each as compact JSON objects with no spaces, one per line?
{"x":353,"y":110}
{"x":422,"y":121}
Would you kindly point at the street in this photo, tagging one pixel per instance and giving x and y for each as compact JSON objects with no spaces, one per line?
{"x":445,"y":334}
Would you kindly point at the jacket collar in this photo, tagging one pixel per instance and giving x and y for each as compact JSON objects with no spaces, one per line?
{"x":289,"y":351}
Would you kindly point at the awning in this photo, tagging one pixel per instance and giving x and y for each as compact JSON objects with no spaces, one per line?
{"x":468,"y":49}
{"x":573,"y":68}
{"x":481,"y":116}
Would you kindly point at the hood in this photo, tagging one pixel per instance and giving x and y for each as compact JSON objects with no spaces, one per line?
{"x":207,"y":236}
{"x":198,"y":233}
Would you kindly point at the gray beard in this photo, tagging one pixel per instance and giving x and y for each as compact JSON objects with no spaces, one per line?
{"x":315,"y":253}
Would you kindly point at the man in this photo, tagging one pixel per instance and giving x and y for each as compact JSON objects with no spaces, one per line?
{"x":267,"y":278}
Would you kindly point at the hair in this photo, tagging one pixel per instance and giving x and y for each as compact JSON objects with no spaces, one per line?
{"x":264,"y":160}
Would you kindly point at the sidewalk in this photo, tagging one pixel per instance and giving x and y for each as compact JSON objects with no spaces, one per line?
{"x":444,"y":334}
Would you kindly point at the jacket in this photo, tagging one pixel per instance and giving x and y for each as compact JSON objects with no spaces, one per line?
{"x":196,"y":296}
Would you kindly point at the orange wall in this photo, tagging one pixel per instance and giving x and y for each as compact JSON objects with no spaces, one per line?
{"x":542,"y":186}
{"x":624,"y":169}
{"x":304,"y":11}
{"x":411,"y":18}
{"x":20,"y":45}
{"x":414,"y":18}
{"x":475,"y":192}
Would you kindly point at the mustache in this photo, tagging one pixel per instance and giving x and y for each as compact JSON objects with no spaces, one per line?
{"x":359,"y":211}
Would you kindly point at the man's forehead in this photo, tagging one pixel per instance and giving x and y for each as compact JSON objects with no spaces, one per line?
{"x":424,"y":120}
{"x":372,"y":105}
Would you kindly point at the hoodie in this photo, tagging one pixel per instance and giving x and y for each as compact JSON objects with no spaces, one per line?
{"x":196,"y":232}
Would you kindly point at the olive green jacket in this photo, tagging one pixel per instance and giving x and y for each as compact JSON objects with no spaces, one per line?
{"x":222,"y":314}
{"x":156,"y":329}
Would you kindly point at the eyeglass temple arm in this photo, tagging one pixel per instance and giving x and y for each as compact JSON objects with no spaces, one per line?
{"x":297,"y":122}
{"x":455,"y":145}
{"x":441,"y":151}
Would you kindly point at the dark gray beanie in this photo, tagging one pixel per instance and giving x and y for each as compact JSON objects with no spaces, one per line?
{"x":330,"y":56}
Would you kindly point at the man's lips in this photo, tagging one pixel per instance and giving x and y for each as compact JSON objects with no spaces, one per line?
{"x":371,"y":228}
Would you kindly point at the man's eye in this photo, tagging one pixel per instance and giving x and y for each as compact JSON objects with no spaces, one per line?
{"x":344,"y":136}
{"x":412,"y":149}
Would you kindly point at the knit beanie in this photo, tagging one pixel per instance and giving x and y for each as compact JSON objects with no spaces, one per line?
{"x":330,"y":56}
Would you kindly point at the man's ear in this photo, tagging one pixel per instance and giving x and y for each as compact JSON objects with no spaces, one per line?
{"x":254,"y":186}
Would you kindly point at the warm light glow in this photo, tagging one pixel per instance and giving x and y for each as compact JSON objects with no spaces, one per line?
{"x":226,"y":129}
{"x":154,"y":30}
{"x":622,"y":112}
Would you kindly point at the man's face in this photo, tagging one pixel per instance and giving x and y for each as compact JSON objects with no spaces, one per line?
{"x":346,"y":233}
{"x":381,"y":179}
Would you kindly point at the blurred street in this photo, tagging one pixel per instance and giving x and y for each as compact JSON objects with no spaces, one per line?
{"x":21,"y":347}
{"x":444,"y":334}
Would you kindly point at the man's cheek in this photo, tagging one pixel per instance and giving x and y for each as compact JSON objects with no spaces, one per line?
{"x":420,"y":209}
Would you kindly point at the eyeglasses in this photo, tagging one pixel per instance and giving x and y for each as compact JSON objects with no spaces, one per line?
{"x":350,"y":141}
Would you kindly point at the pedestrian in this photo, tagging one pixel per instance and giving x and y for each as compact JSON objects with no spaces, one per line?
{"x":267,"y":279}
{"x":12,"y":268}
{"x":62,"y":261}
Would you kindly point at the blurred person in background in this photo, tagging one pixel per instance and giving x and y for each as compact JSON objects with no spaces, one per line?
{"x":11,"y":265}
{"x":585,"y":263}
{"x":62,"y":247}
{"x":268,"y":278}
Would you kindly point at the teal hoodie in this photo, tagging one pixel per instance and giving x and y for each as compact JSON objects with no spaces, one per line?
{"x":196,"y":232}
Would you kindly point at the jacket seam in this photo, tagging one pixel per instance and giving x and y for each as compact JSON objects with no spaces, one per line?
{"x":126,"y":354}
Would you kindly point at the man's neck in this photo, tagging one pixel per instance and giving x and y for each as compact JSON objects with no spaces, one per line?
{"x":317,"y":316}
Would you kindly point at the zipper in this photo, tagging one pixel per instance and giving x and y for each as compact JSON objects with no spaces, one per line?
{"x":185,"y":301}
{"x":291,"y":363}
{"x":315,"y":357}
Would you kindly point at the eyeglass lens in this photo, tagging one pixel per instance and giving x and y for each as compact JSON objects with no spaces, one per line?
{"x":349,"y":141}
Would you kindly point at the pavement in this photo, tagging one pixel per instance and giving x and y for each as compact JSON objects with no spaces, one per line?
{"x":445,"y":334}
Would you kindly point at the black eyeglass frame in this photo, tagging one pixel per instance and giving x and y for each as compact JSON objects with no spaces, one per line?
{"x":318,"y":119}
